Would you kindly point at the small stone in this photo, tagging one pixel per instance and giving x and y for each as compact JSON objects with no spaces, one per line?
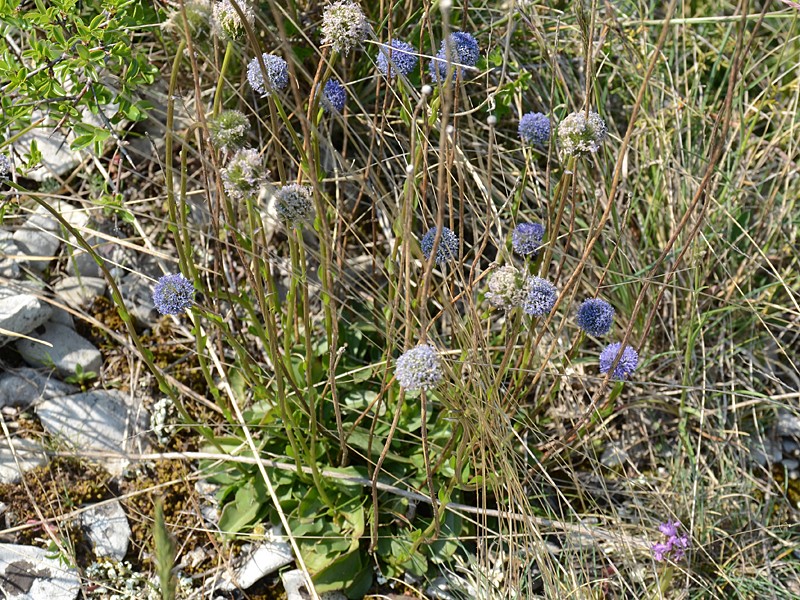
{"x":791,"y":464}
{"x":67,"y":351}
{"x":30,"y":573}
{"x":38,"y":239}
{"x":23,"y":387}
{"x":268,"y":558}
{"x":20,"y":456}
{"x":788,"y":425}
{"x":9,"y":255}
{"x":20,"y":312}
{"x":80,"y":291}
{"x":62,"y":317}
{"x":108,"y":529}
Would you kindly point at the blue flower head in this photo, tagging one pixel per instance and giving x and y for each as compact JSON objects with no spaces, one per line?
{"x":595,"y":316}
{"x":419,"y":368}
{"x":627,"y":363}
{"x":534,"y":128}
{"x":334,"y":96}
{"x":173,"y":294}
{"x":527,"y":238}
{"x":277,"y":74}
{"x":5,"y":166}
{"x":403,"y":58}
{"x":540,"y":297}
{"x":676,"y":544}
{"x":464,"y":50}
{"x":448,"y":245}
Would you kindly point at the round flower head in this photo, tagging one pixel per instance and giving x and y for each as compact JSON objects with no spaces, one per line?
{"x":173,"y":294}
{"x":540,"y":297}
{"x":403,"y":59}
{"x":277,"y":74}
{"x":293,"y":204}
{"x":419,"y":368}
{"x":463,"y":49}
{"x":527,"y":238}
{"x":5,"y":166}
{"x":595,"y":316}
{"x":344,"y":26}
{"x":244,"y":174}
{"x":579,"y":134}
{"x":334,"y":96}
{"x":534,"y":128}
{"x":448,"y":245}
{"x":627,"y":363}
{"x":228,"y":129}
{"x":505,"y":288}
{"x":227,"y":22}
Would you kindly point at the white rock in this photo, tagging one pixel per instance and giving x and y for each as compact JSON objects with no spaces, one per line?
{"x":268,"y":558}
{"x":788,"y":424}
{"x":20,"y":313}
{"x":108,"y":529}
{"x":62,"y":317}
{"x":23,"y":387}
{"x":28,"y":454}
{"x":67,"y":352}
{"x":294,"y":583}
{"x":80,"y":291}
{"x":9,"y":255}
{"x":27,"y":573}
{"x":39,"y":239}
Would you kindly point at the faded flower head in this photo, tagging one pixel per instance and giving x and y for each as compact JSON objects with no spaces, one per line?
{"x":595,"y":316}
{"x":244,"y":174}
{"x":400,"y":57}
{"x":448,"y":245}
{"x":527,"y":238}
{"x":505,"y":288}
{"x":579,"y":134}
{"x":344,"y":26}
{"x":463,"y":49}
{"x":227,"y":22}
{"x":277,"y":74}
{"x":293,"y":204}
{"x":419,"y":368}
{"x":627,"y":363}
{"x":5,"y":166}
{"x":334,"y":96}
{"x":540,"y":297}
{"x":173,"y":294}
{"x":534,"y":128}
{"x":676,"y":545}
{"x":228,"y":129}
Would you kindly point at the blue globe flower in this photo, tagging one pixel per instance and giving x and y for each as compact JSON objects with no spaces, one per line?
{"x":277,"y":74}
{"x":534,"y":128}
{"x":464,"y":50}
{"x":419,"y":368}
{"x":404,"y":58}
{"x":595,"y":316}
{"x":540,"y":297}
{"x":334,"y":96}
{"x":448,"y":245}
{"x":173,"y":294}
{"x":527,"y":238}
{"x":627,"y":363}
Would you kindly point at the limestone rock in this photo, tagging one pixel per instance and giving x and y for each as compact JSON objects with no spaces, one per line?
{"x":20,"y":312}
{"x":68,"y":350}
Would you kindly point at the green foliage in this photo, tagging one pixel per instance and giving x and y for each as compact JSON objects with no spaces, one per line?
{"x":164,"y":550}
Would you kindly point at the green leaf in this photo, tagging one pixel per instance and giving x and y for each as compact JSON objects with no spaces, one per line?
{"x":243,"y":510}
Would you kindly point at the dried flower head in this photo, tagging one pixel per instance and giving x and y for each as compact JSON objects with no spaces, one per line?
{"x":526,"y":239}
{"x":227,"y":22}
{"x":448,"y":245}
{"x":676,"y":545}
{"x":579,"y":134}
{"x":463,"y":49}
{"x":334,"y":96}
{"x":595,"y":316}
{"x":506,"y":288}
{"x":173,"y":294}
{"x":5,"y":166}
{"x":534,"y":128}
{"x":294,"y":205}
{"x":400,"y":57}
{"x":244,"y":174}
{"x":344,"y":26}
{"x":627,"y":363}
{"x":277,"y":74}
{"x":540,"y":297}
{"x":419,"y":368}
{"x":228,"y":129}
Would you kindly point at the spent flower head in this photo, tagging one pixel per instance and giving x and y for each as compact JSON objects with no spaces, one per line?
{"x":448,"y":245}
{"x":676,"y":544}
{"x":627,"y":362}
{"x":173,"y":294}
{"x":277,"y":74}
{"x":227,"y":22}
{"x":294,"y":205}
{"x":580,"y":134}
{"x":506,"y":288}
{"x":5,"y":166}
{"x":540,"y":297}
{"x":228,"y":129}
{"x":463,"y":50}
{"x":344,"y":26}
{"x":400,"y":57}
{"x":334,"y":96}
{"x":419,"y":368}
{"x":595,"y":316}
{"x":244,"y":174}
{"x":527,"y":238}
{"x":534,"y":128}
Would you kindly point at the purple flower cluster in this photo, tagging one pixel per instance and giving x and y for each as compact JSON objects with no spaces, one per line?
{"x":173,"y":294}
{"x":676,"y":545}
{"x":403,"y":59}
{"x":448,"y":245}
{"x":534,"y":128}
{"x":595,"y":316}
{"x":540,"y":297}
{"x":334,"y":96}
{"x":419,"y":368}
{"x":277,"y":74}
{"x":463,"y":50}
{"x":527,"y":238}
{"x":627,"y":362}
